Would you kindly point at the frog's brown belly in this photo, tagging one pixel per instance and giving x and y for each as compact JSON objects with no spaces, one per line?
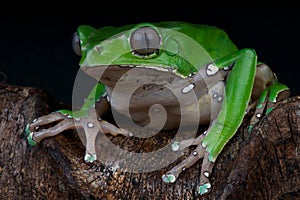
{"x":134,"y":92}
{"x":141,"y":110}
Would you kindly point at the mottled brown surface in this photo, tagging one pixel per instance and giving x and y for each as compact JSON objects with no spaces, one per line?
{"x":261,"y":165}
{"x":25,"y":172}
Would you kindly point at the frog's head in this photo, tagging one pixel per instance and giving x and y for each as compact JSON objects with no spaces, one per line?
{"x":147,"y":46}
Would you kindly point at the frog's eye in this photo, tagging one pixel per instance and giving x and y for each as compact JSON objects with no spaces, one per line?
{"x":76,"y":44}
{"x":145,"y":41}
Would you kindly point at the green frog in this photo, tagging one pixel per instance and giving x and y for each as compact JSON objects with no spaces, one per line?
{"x":167,"y":74}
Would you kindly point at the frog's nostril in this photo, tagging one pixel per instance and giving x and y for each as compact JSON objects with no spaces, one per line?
{"x":145,"y":41}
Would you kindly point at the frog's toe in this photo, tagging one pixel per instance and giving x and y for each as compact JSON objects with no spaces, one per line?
{"x":107,"y":127}
{"x":197,"y":154}
{"x":178,"y":146}
{"x":30,"y":139}
{"x":27,"y":129}
{"x":183,"y":144}
{"x":40,"y":133}
{"x":204,"y":189}
{"x":90,"y":158}
{"x":169,"y":178}
{"x":206,"y":170}
{"x":46,"y":120}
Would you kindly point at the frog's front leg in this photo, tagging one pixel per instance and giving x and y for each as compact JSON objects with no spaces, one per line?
{"x":235,"y":99}
{"x":88,"y":119}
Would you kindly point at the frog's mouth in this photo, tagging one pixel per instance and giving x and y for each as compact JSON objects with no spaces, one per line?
{"x":110,"y":75}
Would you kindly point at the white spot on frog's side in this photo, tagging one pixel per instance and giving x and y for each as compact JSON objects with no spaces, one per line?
{"x":211,"y":70}
{"x":108,"y":99}
{"x":220,"y":98}
{"x":225,"y":68}
{"x":206,"y":174}
{"x":77,"y":119}
{"x":69,"y":117}
{"x":258,"y":115}
{"x":90,"y":125}
{"x":195,"y":153}
{"x":216,"y":96}
{"x":205,"y":132}
{"x":188,"y":88}
{"x":34,"y":120}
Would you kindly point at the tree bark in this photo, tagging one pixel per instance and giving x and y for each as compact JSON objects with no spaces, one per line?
{"x":264,"y":164}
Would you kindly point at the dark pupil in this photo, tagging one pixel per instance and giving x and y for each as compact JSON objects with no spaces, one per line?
{"x":145,"y":41}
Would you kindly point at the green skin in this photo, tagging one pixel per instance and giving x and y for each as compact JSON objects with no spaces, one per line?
{"x":217,"y":49}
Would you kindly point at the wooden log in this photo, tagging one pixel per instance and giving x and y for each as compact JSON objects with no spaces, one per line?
{"x":25,"y":172}
{"x":264,"y":164}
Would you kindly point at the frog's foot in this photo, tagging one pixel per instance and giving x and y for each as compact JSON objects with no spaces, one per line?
{"x":268,"y":100}
{"x":39,"y":128}
{"x":55,"y":123}
{"x":198,"y":153}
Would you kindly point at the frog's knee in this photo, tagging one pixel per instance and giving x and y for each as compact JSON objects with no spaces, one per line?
{"x":248,"y":52}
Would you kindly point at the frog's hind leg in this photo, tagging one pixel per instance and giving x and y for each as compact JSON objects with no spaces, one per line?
{"x":266,"y":92}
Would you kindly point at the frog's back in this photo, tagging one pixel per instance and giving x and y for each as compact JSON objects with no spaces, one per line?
{"x":213,"y":39}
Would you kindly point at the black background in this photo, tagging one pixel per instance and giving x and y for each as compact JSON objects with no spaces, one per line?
{"x":36,"y":42}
